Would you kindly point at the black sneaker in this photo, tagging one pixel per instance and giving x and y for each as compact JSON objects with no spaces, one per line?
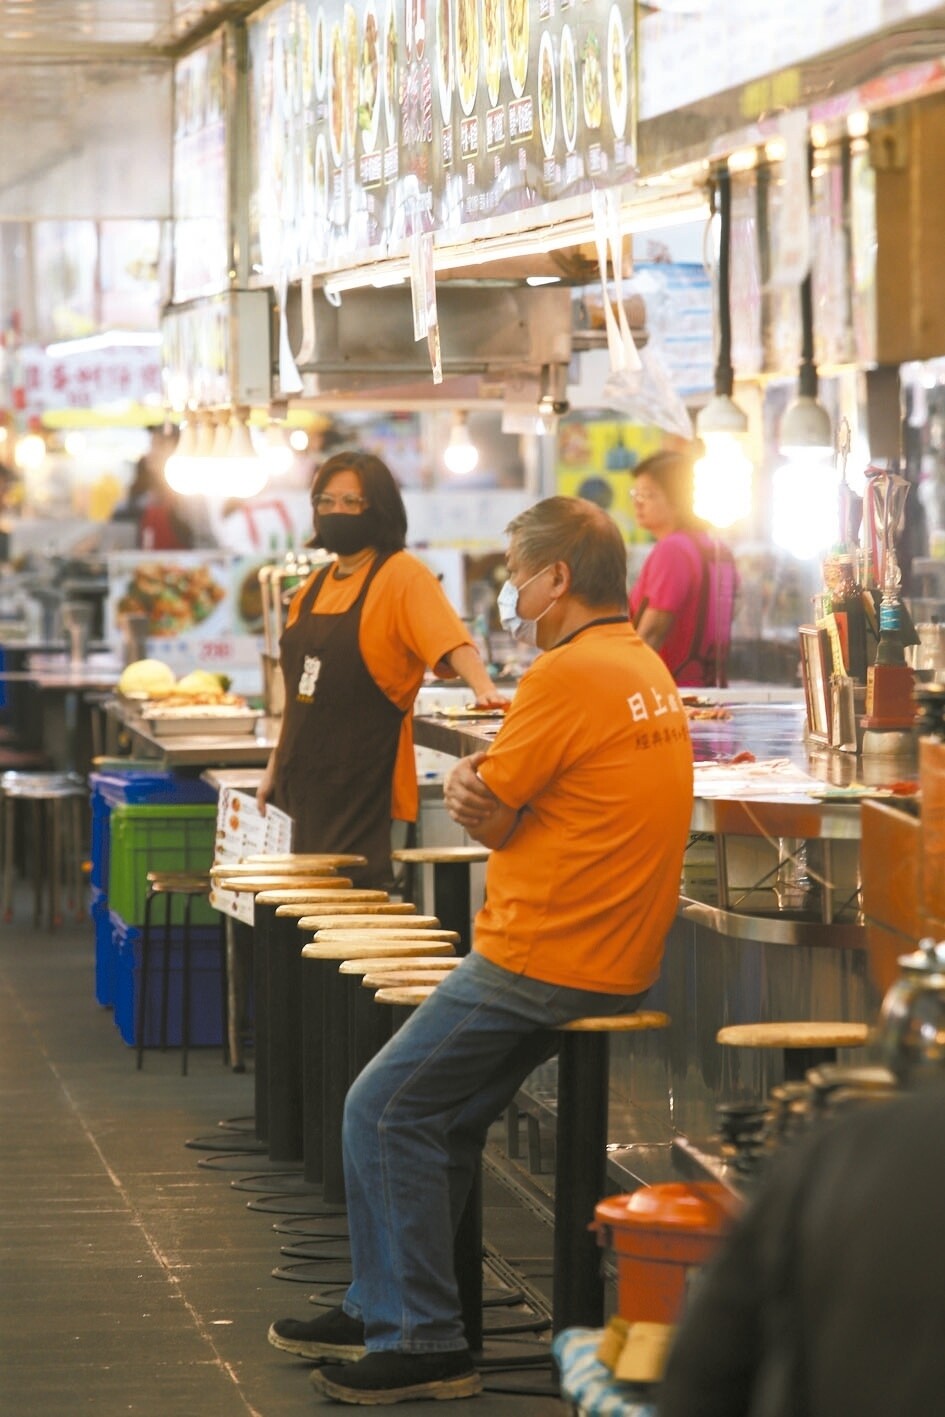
{"x":332,"y":1335}
{"x":382,"y":1378}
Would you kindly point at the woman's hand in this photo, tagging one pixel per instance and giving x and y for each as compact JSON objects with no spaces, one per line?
{"x":266,"y":784}
{"x":466,"y":662}
{"x":491,"y":699}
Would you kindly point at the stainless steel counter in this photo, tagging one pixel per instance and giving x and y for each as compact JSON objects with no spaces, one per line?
{"x":790,"y":943}
{"x":205,"y":750}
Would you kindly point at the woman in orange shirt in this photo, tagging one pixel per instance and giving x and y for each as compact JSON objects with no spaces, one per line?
{"x":359,"y":635}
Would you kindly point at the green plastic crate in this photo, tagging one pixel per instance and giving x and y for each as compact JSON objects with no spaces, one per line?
{"x":158,"y":838}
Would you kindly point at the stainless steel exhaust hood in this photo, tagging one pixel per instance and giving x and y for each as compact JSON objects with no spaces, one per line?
{"x":489,"y":335}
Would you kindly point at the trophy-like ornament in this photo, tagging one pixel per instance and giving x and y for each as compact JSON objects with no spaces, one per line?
{"x":889,"y":681}
{"x":886,"y":498}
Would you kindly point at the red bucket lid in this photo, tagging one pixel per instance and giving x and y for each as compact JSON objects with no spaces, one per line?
{"x":675,"y":1205}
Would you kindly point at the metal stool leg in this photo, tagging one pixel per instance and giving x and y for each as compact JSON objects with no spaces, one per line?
{"x":166,"y":969}
{"x":224,"y":989}
{"x":313,"y":1124}
{"x":798,"y":1061}
{"x":143,"y":977}
{"x":74,"y":856}
{"x":185,"y":986}
{"x":334,"y":1081}
{"x":580,"y":1179}
{"x":451,"y":899}
{"x":282,"y":944}
{"x":9,"y":820}
{"x":260,"y":1032}
{"x":467,"y":1260}
{"x":55,"y":871}
{"x":37,"y":820}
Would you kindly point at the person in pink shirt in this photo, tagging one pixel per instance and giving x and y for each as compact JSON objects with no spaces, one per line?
{"x":684,"y":598}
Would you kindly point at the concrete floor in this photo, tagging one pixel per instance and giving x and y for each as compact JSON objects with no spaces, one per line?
{"x":134,"y":1279}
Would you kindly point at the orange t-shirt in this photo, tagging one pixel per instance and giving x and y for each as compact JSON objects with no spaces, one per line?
{"x":407,"y":623}
{"x":595,"y":754}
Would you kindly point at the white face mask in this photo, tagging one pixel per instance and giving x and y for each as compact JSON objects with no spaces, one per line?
{"x":525,"y":631}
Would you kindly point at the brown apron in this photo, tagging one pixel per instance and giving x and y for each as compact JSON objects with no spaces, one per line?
{"x":340,"y":735}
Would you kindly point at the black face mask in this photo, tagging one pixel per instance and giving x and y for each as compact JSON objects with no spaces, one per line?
{"x":345,"y":534}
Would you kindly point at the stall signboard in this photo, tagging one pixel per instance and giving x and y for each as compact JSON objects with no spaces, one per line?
{"x":375,"y":122}
{"x":201,"y":259}
{"x":99,"y":377}
{"x":689,"y":53}
{"x":200,"y":609}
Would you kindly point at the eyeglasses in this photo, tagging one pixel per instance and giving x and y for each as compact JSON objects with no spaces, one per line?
{"x":348,"y":503}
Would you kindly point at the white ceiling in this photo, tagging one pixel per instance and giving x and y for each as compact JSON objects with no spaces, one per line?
{"x":85,"y":91}
{"x":88,"y":28}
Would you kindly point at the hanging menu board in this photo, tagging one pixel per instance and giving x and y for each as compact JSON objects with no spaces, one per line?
{"x":373,"y":122}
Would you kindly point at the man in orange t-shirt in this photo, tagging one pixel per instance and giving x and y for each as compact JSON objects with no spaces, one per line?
{"x":585,"y":797}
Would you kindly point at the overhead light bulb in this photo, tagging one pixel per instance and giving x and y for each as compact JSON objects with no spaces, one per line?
{"x":29,"y":452}
{"x":806,"y":505}
{"x":245,"y":470}
{"x":221,"y":438}
{"x":204,"y":438}
{"x":461,"y":456}
{"x":178,"y":470}
{"x":215,"y":461}
{"x":722,"y":480}
{"x":278,"y":453}
{"x":806,"y":428}
{"x":298,"y":440}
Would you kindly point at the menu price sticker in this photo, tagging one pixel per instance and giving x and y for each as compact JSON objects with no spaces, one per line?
{"x":243,"y":831}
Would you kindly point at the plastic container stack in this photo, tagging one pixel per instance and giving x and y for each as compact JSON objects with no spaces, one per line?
{"x":146,"y":820}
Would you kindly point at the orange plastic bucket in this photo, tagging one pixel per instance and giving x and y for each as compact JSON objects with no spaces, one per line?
{"x":658,"y":1235}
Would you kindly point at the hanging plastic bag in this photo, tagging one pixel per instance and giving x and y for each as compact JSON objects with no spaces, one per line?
{"x":638,"y":385}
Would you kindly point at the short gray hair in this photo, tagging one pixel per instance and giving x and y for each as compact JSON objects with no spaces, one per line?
{"x":582,"y":535}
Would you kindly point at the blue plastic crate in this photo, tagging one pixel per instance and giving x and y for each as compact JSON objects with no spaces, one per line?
{"x":206,"y":985}
{"x":140,"y":785}
{"x":134,"y":786}
{"x":104,"y":948}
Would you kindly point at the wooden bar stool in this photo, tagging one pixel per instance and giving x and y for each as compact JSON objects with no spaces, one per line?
{"x":359,"y":912}
{"x":171,"y":884}
{"x":581,"y":1161}
{"x":295,"y":863}
{"x":329,"y":920}
{"x":325,"y":1047}
{"x":339,"y":934}
{"x":451,"y":896}
{"x":803,"y":1044}
{"x":54,"y":801}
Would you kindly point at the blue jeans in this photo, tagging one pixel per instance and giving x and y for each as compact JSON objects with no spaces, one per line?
{"x":415,"y":1122}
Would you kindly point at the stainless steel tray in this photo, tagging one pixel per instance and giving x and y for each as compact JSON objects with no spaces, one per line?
{"x":177,"y":722}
